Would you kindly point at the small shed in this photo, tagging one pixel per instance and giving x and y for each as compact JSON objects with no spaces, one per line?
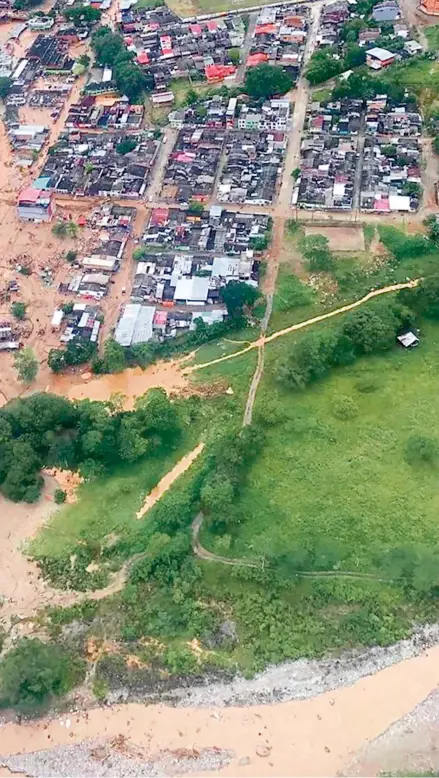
{"x":408,"y":340}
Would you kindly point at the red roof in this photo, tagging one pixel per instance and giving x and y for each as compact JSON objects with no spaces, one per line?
{"x":128,"y":40}
{"x":160,"y":317}
{"x":30,"y":195}
{"x":196,"y":29}
{"x":256,"y":59}
{"x":218,"y":72}
{"x":382,"y":205}
{"x":212,"y":25}
{"x":82,"y":221}
{"x":143,"y":58}
{"x":266,"y":29}
{"x":159,"y":217}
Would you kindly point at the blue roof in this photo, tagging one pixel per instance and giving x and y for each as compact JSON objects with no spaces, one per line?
{"x":42,"y":182}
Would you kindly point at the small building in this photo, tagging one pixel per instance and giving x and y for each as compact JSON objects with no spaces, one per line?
{"x":378,"y":58}
{"x":35,"y":205}
{"x":430,"y":7}
{"x":162,"y":98}
{"x":388,"y":11}
{"x":408,"y":340}
{"x":413,"y":48}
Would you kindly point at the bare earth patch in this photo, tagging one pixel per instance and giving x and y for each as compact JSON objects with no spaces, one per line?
{"x":340,"y":238}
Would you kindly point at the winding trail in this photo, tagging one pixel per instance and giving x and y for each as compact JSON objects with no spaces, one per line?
{"x":209,"y":556}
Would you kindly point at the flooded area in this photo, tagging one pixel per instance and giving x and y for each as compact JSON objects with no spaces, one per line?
{"x":132,"y":383}
{"x":312,"y":737}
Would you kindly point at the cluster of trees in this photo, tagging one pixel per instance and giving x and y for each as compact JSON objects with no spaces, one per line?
{"x":326,"y":63}
{"x":316,"y":251}
{"x":76,"y":353}
{"x":45,"y":430}
{"x":82,"y":15}
{"x":110,"y":50}
{"x":424,"y":298}
{"x":366,"y":331}
{"x":5,"y":86}
{"x":227,"y":466}
{"x":34,"y":673}
{"x":265,"y":81}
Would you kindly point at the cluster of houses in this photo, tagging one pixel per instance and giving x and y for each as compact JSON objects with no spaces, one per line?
{"x":230,"y":145}
{"x":360,"y":154}
{"x":215,"y":230}
{"x":279,"y":37}
{"x":391,"y":166}
{"x":168,"y":48}
{"x":89,"y":114}
{"x":98,"y":164}
{"x":92,"y":275}
{"x":188,"y":258}
{"x":383,"y":33}
{"x":329,"y":156}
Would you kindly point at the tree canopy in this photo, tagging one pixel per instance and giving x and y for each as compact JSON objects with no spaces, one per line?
{"x":237,"y":295}
{"x":82,"y":15}
{"x":265,"y":81}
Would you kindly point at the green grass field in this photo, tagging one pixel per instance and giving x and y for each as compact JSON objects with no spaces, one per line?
{"x":346,"y":483}
{"x":432,"y":35}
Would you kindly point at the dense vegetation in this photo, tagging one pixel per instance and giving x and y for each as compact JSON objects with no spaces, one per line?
{"x":45,"y":430}
{"x":265,"y":81}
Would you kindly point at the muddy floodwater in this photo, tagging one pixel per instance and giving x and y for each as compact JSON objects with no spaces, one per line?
{"x":314,"y":737}
{"x":132,"y":383}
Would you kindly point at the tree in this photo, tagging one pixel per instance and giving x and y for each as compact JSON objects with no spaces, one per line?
{"x":5,"y":87}
{"x":196,"y":208}
{"x":59,"y":496}
{"x":191,"y":98}
{"x":114,"y":357}
{"x":421,"y":449}
{"x":355,"y":56}
{"x":82,"y":16}
{"x":425,"y":297}
{"x":131,"y":444}
{"x":217,"y":496}
{"x":234,"y":56}
{"x":237,"y":295}
{"x":323,"y":66}
{"x":71,"y":229}
{"x":26,"y":364}
{"x":139,"y":253}
{"x":60,"y":229}
{"x":369,"y":332}
{"x":20,"y":478}
{"x":315,"y":249}
{"x":130,"y":80}
{"x":18,"y":310}
{"x":432,"y":224}
{"x":436,"y":144}
{"x":34,"y":672}
{"x":157,"y":415}
{"x":84,"y":60}
{"x":265,"y":81}
{"x":126,"y":145}
{"x":413,"y":189}
{"x":71,"y":255}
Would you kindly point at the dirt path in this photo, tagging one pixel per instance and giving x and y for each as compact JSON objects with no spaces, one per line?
{"x":166,"y":482}
{"x":308,"y":322}
{"x":318,"y":736}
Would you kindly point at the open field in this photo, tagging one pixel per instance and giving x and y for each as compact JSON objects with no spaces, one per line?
{"x":193,"y":7}
{"x":340,"y":238}
{"x":345,"y":484}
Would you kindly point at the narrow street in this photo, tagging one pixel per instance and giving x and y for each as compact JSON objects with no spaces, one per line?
{"x":245,"y":51}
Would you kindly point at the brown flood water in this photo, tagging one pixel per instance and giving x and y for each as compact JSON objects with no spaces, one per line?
{"x":132,"y":383}
{"x":314,"y":737}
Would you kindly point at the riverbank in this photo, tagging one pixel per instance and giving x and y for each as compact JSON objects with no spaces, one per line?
{"x":321,"y":735}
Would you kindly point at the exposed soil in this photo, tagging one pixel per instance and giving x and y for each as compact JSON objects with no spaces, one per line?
{"x":166,"y":482}
{"x":340,"y":238}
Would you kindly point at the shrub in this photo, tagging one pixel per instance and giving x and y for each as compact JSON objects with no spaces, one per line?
{"x":18,"y":310}
{"x":59,"y":496}
{"x":421,"y":449}
{"x":344,"y":407}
